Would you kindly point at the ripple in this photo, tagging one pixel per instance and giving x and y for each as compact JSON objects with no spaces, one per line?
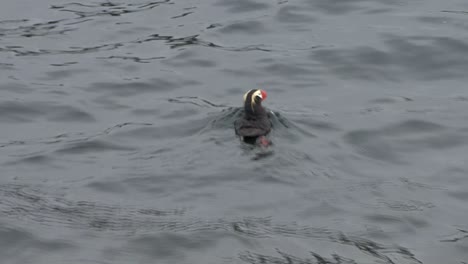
{"x":37,"y":207}
{"x":134,"y":88}
{"x":414,"y":126}
{"x":374,"y":253}
{"x":317,"y":124}
{"x":241,"y":6}
{"x":384,"y":219}
{"x":182,"y":15}
{"x":63,"y":74}
{"x":189,"y":58}
{"x":92,"y":146}
{"x":173,"y":42}
{"x":406,"y":137}
{"x":194,"y":100}
{"x":164,"y":132}
{"x":64,"y":64}
{"x":107,"y":8}
{"x":15,"y":88}
{"x":291,"y":14}
{"x":407,"y":206}
{"x":15,"y":111}
{"x":169,"y":245}
{"x":460,"y":195}
{"x":36,"y":29}
{"x":338,"y":7}
{"x":290,"y":71}
{"x":19,"y":244}
{"x":246,"y":27}
{"x":390,"y":100}
{"x":74,"y":143}
{"x":428,"y":58}
{"x":144,"y":111}
{"x":109,"y":187}
{"x":37,"y":159}
{"x":132,"y":58}
{"x":150,"y":226}
{"x":459,"y":236}
{"x":180,"y":113}
{"x":20,"y":51}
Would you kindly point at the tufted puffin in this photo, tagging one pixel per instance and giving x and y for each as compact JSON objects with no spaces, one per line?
{"x":255,"y":124}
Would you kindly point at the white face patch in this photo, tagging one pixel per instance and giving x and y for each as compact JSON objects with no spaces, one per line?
{"x":257,"y":93}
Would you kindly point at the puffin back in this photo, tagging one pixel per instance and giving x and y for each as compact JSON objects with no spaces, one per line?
{"x":255,"y":121}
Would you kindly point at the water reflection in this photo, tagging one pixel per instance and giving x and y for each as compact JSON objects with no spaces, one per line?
{"x":424,"y":58}
{"x":150,"y":227}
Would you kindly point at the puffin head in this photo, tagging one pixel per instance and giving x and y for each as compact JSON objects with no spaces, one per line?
{"x":253,"y":99}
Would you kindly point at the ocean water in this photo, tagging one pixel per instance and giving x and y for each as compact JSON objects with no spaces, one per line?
{"x":117,"y":142}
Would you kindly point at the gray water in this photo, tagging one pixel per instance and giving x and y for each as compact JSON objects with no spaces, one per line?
{"x":117,"y":142}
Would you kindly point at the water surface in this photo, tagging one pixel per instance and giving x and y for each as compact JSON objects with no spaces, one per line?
{"x":117,"y":141}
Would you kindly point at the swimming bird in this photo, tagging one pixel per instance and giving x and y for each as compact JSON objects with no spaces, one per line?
{"x":255,"y":123}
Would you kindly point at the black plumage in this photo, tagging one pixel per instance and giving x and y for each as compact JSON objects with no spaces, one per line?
{"x":255,"y":121}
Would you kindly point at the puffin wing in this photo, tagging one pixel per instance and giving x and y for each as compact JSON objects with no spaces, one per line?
{"x":250,"y":132}
{"x":252,"y":128}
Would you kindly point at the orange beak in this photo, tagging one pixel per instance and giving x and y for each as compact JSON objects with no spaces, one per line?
{"x":264,"y":95}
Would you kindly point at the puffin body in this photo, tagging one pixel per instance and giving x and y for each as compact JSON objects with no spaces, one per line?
{"x":255,"y":124}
